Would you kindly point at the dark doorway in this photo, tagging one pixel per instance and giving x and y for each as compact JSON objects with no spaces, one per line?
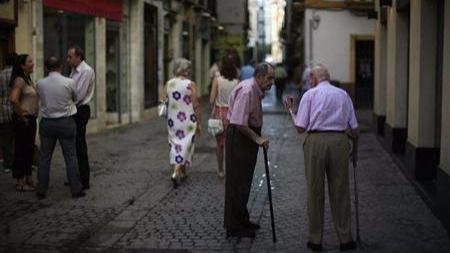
{"x":113,"y":88}
{"x":6,"y":44}
{"x":364,"y":74}
{"x":151,"y":56}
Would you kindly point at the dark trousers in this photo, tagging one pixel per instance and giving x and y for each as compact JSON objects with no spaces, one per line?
{"x":240,"y":161}
{"x":6,"y":144}
{"x":64,"y":130}
{"x":81,"y":119}
{"x":24,"y":136}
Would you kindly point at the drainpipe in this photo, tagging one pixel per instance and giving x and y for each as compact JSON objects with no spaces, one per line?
{"x":130,"y":118}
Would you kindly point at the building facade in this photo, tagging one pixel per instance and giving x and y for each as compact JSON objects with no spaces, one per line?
{"x":131,"y":45}
{"x":411,"y":114}
{"x":339,"y":35}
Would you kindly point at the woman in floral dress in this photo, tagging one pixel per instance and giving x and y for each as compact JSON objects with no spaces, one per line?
{"x":183,"y":118}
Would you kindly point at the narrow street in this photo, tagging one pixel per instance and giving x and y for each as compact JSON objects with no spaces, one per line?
{"x":132,"y":207}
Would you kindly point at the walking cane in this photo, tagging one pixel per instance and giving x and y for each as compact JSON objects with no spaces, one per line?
{"x":269,"y":190}
{"x":355,"y":160}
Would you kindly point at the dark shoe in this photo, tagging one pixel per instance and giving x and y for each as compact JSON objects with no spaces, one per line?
{"x":66,"y":183}
{"x":86,"y":187}
{"x":251,"y":225}
{"x":175,"y":180}
{"x":241,"y":233}
{"x":351,"y":245}
{"x":79,"y":194}
{"x":314,"y":246}
{"x":40,"y":195}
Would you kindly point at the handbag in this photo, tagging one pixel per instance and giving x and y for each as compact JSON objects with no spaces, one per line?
{"x":162,"y":108}
{"x":215,"y":126}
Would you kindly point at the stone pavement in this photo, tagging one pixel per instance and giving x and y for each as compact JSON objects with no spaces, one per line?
{"x":131,"y":206}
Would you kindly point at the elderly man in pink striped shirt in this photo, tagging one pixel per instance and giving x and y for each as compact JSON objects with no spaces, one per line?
{"x":243,"y":139}
{"x":326,"y":113}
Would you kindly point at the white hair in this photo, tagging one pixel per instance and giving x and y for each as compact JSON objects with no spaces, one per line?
{"x":180,"y":65}
{"x":320,"y":72}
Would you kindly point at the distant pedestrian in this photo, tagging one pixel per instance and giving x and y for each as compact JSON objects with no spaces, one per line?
{"x":220,"y":93}
{"x":326,"y":113}
{"x":247,"y":70}
{"x":305,"y":82}
{"x":57,"y":95}
{"x":6,"y":112}
{"x":25,"y":104}
{"x":183,"y":118}
{"x":243,"y":139}
{"x":84,"y":78}
{"x":280,"y":80}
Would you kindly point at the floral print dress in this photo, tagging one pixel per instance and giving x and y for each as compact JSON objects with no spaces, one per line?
{"x":181,"y":121}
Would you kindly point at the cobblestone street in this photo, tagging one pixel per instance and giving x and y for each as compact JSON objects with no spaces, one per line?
{"x":132,"y":207}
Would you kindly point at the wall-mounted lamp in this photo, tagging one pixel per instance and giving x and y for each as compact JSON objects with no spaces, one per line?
{"x":185,"y":33}
{"x":315,"y":21}
{"x":220,"y":28}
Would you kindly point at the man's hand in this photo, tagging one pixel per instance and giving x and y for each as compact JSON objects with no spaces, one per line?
{"x":289,"y":103}
{"x":263,"y":142}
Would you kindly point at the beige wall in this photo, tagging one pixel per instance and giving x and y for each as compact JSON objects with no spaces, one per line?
{"x":397,"y":68}
{"x":445,"y":132}
{"x":421,"y":112}
{"x":29,"y":34}
{"x":380,"y":67}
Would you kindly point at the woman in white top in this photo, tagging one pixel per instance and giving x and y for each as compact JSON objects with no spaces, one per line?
{"x":220,"y":92}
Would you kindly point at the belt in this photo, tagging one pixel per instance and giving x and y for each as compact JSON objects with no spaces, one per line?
{"x":325,"y":131}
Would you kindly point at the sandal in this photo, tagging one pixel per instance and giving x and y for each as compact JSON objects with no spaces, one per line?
{"x":24,"y":188}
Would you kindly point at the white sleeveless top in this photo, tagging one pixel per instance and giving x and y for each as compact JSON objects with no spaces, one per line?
{"x":224,"y":89}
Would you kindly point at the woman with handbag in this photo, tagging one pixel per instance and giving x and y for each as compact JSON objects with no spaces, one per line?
{"x":220,"y":93}
{"x":183,"y":118}
{"x":24,"y":100}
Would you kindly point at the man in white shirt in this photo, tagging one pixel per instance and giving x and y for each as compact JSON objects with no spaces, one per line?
{"x":84,"y":78}
{"x":57,"y":96}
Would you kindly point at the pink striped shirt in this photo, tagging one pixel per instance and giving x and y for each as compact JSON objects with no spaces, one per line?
{"x":326,"y":108}
{"x":245,"y":104}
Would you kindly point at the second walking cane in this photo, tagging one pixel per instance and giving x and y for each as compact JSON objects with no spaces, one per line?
{"x":355,"y":181}
{"x":269,"y":190}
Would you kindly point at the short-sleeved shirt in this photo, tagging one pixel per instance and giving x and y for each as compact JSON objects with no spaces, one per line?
{"x":326,"y":108}
{"x":58,"y":96}
{"x":245,"y":104}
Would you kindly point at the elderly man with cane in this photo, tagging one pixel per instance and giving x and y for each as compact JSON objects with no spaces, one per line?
{"x":243,"y":139}
{"x":326,"y":113}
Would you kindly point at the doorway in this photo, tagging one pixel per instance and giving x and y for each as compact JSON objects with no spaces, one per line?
{"x":364,"y":74}
{"x":151,"y":56}
{"x":113,"y":80}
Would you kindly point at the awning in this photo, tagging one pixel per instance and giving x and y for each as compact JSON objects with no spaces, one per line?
{"x":110,"y":9}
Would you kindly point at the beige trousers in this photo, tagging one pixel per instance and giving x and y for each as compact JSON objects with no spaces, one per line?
{"x":328,"y":154}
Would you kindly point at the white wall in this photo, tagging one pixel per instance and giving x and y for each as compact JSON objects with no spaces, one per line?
{"x":332,"y":38}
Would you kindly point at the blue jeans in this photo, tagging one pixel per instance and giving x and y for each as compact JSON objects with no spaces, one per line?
{"x":64,"y":130}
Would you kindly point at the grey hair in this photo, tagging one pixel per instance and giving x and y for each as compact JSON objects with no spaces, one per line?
{"x":180,"y":65}
{"x":262,"y":68}
{"x":320,"y":72}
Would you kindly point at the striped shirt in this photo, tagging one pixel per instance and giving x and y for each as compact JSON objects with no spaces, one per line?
{"x":5,"y":106}
{"x":245,"y":104}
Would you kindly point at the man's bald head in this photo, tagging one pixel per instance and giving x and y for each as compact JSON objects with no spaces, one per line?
{"x":53,"y":64}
